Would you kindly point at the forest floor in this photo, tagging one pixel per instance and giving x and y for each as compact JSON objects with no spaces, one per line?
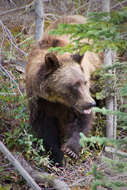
{"x":74,"y":174}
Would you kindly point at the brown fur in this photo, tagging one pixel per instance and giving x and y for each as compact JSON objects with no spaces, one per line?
{"x":58,"y":90}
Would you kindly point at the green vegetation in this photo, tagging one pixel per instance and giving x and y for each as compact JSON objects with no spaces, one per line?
{"x":15,"y":122}
{"x":105,"y":32}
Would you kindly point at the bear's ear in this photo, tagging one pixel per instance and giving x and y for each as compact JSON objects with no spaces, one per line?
{"x":77,"y":57}
{"x":51,"y":62}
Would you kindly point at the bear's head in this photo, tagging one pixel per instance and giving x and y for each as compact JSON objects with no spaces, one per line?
{"x":66,"y":81}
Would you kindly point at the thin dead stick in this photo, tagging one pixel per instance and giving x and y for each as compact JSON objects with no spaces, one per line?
{"x":11,"y":38}
{"x":15,"y":10}
{"x":12,"y":11}
{"x":119,"y":4}
{"x":7,"y":94}
{"x":18,"y":166}
{"x":113,"y":150}
{"x":11,"y":77}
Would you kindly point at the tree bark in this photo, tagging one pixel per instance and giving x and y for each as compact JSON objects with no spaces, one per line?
{"x":39,"y":19}
{"x":106,"y":6}
{"x":114,"y":57}
{"x":111,"y":101}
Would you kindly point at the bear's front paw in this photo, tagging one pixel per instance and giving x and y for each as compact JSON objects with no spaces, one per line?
{"x":69,"y":152}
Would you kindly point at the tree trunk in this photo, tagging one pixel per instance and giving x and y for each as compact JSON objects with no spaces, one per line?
{"x":109,"y":99}
{"x":106,"y":6}
{"x":111,"y":102}
{"x":39,"y":19}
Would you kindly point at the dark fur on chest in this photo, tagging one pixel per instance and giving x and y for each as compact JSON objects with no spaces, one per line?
{"x":56,"y":123}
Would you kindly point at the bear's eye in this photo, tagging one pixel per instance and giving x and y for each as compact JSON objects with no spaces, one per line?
{"x":77,"y":84}
{"x":85,"y":82}
{"x":74,"y":87}
{"x":75,"y":90}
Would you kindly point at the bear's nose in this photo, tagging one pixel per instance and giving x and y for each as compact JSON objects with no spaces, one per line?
{"x":92,"y":104}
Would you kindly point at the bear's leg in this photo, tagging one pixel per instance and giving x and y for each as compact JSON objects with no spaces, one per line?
{"x":46,"y":127}
{"x":84,"y":124}
{"x":50,"y":135}
{"x":72,"y":146}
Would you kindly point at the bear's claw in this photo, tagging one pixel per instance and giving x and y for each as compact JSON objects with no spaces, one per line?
{"x":70,"y":153}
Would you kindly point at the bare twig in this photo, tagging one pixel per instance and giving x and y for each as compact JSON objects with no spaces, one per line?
{"x":12,"y":11}
{"x":10,"y":76}
{"x":11,"y":38}
{"x":119,"y":4}
{"x":113,"y":150}
{"x":79,"y":181}
{"x":6,"y":94}
{"x":15,"y":10}
{"x":80,"y":7}
{"x":27,"y":39}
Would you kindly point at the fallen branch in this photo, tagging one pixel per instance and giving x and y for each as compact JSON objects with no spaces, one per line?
{"x":15,"y":10}
{"x":19,"y":65}
{"x":18,"y":166}
{"x":113,"y":150}
{"x":8,"y":94}
{"x":119,"y":4}
{"x":42,"y":177}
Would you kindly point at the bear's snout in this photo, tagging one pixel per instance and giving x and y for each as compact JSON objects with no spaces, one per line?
{"x":85,"y":108}
{"x":90,"y":105}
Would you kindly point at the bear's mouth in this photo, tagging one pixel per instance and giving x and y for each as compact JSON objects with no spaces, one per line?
{"x":87,"y":111}
{"x":84,"y":111}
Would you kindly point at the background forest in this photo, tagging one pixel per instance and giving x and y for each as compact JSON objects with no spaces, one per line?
{"x":103,"y":160}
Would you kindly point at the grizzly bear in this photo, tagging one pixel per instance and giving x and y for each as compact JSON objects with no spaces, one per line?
{"x":58,"y":88}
